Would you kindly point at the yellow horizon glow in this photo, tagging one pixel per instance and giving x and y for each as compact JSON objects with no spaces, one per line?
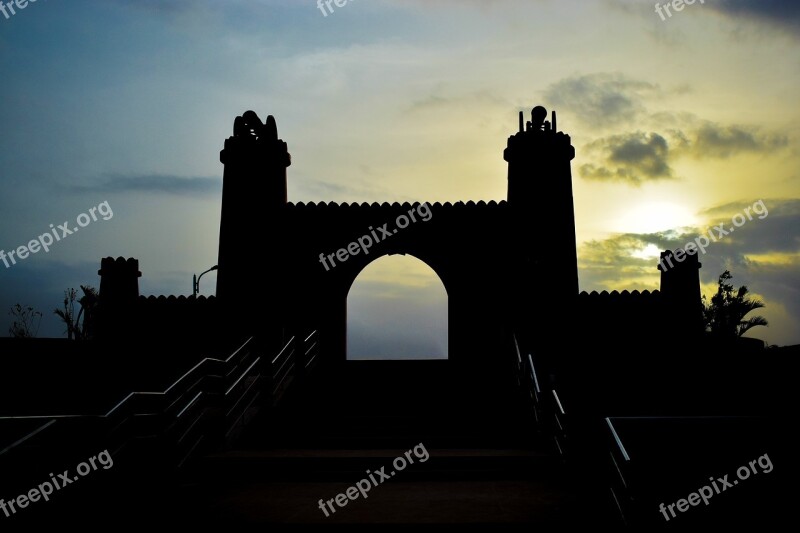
{"x":652,"y":217}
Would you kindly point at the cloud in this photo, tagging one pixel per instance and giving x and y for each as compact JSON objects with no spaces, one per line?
{"x":762,"y":253}
{"x":412,"y":298}
{"x":613,"y":264}
{"x":714,"y":140}
{"x":635,"y":158}
{"x":775,"y":234}
{"x":357,"y":190}
{"x":784,"y":14}
{"x":460,"y":103}
{"x":154,"y":183}
{"x":780,"y":14}
{"x":783,"y":207}
{"x":602,"y":99}
{"x":631,"y":158}
{"x":704,"y":138}
{"x":160,"y":6}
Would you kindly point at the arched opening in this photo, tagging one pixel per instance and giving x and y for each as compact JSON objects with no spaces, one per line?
{"x":397,"y":309}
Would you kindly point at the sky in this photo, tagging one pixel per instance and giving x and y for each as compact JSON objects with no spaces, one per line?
{"x":680,"y":123}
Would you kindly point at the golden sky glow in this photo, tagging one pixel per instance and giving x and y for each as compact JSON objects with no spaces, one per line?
{"x":678,"y":125}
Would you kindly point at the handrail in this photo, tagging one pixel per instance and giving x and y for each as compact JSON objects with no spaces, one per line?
{"x":548,"y":409}
{"x":28,"y":436}
{"x":626,"y":479}
{"x":312,"y":351}
{"x":535,"y":377}
{"x":205,"y":361}
{"x":134,"y":394}
{"x":617,"y":440}
{"x":186,"y":395}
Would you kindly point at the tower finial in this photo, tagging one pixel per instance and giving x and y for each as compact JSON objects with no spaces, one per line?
{"x":538,"y":115}
{"x":271,"y":129}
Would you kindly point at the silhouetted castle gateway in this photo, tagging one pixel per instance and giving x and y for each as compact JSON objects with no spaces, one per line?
{"x":505,"y":265}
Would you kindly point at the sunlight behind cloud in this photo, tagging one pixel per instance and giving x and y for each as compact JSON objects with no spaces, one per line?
{"x":651,"y":251}
{"x":650,"y":217}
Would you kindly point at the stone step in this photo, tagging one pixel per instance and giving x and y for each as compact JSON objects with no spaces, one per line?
{"x":336,"y":464}
{"x":468,"y":488}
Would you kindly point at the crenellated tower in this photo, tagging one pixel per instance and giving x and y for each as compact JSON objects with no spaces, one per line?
{"x":542,"y":216}
{"x":119,"y":291}
{"x":253,"y":200}
{"x":680,"y":289}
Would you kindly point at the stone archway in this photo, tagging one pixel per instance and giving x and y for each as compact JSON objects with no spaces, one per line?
{"x":397,"y":309}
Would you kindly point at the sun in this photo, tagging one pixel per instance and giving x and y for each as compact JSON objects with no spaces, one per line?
{"x":652,"y":217}
{"x":651,"y":251}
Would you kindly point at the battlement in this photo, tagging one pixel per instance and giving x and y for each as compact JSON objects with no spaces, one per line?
{"x":251,"y":137}
{"x":617,"y":295}
{"x":118,"y":266}
{"x":119,"y":279}
{"x":395,"y":205}
{"x":539,"y":138}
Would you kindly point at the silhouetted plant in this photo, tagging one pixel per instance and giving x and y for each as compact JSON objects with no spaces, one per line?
{"x":26,"y":322}
{"x":725,"y":314}
{"x":76,"y":329}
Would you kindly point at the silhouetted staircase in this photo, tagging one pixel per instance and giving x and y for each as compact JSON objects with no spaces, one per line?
{"x":261,"y":436}
{"x":487,"y":462}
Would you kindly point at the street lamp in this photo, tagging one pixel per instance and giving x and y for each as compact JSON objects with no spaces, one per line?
{"x":196,"y":280}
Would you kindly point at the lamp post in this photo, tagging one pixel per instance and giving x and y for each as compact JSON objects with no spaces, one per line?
{"x":196,"y":280}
